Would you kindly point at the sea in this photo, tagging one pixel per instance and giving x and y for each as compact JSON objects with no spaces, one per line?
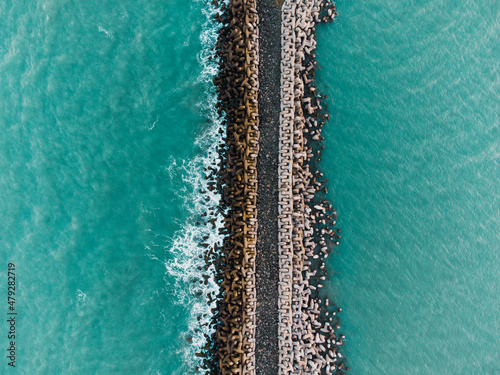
{"x":108,"y":128}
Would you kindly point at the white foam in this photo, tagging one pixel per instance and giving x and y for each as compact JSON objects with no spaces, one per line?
{"x":81,"y":297}
{"x":185,"y":249}
{"x":103,"y":30}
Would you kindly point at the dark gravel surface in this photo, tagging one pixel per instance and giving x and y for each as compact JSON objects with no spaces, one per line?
{"x":267,"y":268}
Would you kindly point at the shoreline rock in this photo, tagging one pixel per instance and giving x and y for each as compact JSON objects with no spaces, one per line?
{"x":306,"y":336}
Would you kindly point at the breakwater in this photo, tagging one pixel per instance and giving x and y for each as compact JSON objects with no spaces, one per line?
{"x":303,"y":325}
{"x":308,"y":338}
{"x":232,"y":347}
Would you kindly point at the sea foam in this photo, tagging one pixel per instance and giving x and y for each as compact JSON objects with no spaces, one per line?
{"x":187,"y":264}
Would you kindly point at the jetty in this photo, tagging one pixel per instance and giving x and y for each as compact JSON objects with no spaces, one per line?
{"x":271,"y":317}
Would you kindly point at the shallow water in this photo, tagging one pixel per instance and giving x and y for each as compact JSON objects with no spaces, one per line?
{"x":413,"y":160}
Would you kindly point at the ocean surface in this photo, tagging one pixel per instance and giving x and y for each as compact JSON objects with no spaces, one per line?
{"x":413,"y":152}
{"x":107,"y":123}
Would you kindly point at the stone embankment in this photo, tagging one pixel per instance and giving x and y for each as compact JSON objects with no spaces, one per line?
{"x":308,"y":338}
{"x":307,"y":326}
{"x":232,"y":348}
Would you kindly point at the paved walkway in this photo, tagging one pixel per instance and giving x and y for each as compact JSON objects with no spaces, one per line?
{"x":267,"y":267}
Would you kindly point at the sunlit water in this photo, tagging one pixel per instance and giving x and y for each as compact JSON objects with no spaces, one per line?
{"x":106,"y":123}
{"x":412,"y":155}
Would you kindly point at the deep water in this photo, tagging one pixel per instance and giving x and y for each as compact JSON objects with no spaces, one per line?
{"x":105,"y":127}
{"x":412,"y":159}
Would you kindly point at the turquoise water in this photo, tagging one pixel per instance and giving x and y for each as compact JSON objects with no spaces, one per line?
{"x":413,"y":160}
{"x":106,"y":124}
{"x":103,"y":115}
